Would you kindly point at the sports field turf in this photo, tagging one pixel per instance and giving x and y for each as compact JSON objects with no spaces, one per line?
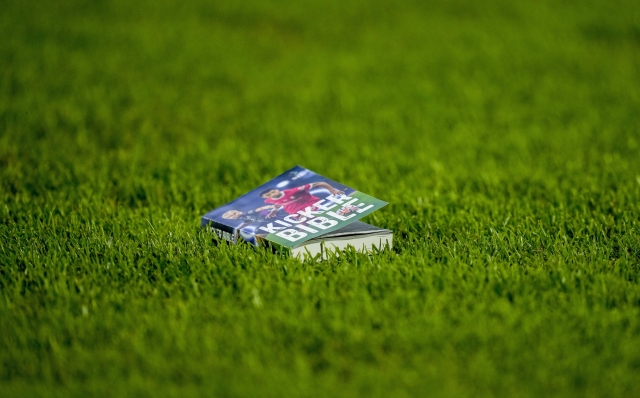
{"x":505,"y":135}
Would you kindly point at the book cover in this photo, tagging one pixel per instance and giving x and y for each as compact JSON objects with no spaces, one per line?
{"x":290,"y":209}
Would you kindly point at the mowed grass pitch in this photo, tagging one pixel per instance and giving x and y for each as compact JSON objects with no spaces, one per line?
{"x":505,"y":135}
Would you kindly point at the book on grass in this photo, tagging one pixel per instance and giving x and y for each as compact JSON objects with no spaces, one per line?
{"x":301,"y":213}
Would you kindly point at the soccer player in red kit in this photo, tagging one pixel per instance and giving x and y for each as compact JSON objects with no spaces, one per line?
{"x":295,"y":199}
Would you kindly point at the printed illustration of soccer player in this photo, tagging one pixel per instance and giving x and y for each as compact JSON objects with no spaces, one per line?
{"x":256,"y":216}
{"x":252,"y":217}
{"x":295,"y":199}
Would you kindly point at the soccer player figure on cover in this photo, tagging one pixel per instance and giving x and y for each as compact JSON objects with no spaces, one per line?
{"x":256,"y":216}
{"x":252,"y":217}
{"x":295,"y":199}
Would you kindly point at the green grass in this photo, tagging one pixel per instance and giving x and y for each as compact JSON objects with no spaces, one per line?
{"x":505,"y":135}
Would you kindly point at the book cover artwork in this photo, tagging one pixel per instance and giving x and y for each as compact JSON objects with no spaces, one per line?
{"x":301,"y":210}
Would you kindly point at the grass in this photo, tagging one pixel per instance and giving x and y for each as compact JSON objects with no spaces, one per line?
{"x":505,"y":136}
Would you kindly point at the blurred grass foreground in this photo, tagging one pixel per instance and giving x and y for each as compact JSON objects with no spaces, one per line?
{"x":505,"y":135}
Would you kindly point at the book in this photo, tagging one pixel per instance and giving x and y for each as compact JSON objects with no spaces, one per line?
{"x":301,"y":213}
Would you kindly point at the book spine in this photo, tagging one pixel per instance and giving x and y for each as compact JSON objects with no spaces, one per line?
{"x":223,"y":232}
